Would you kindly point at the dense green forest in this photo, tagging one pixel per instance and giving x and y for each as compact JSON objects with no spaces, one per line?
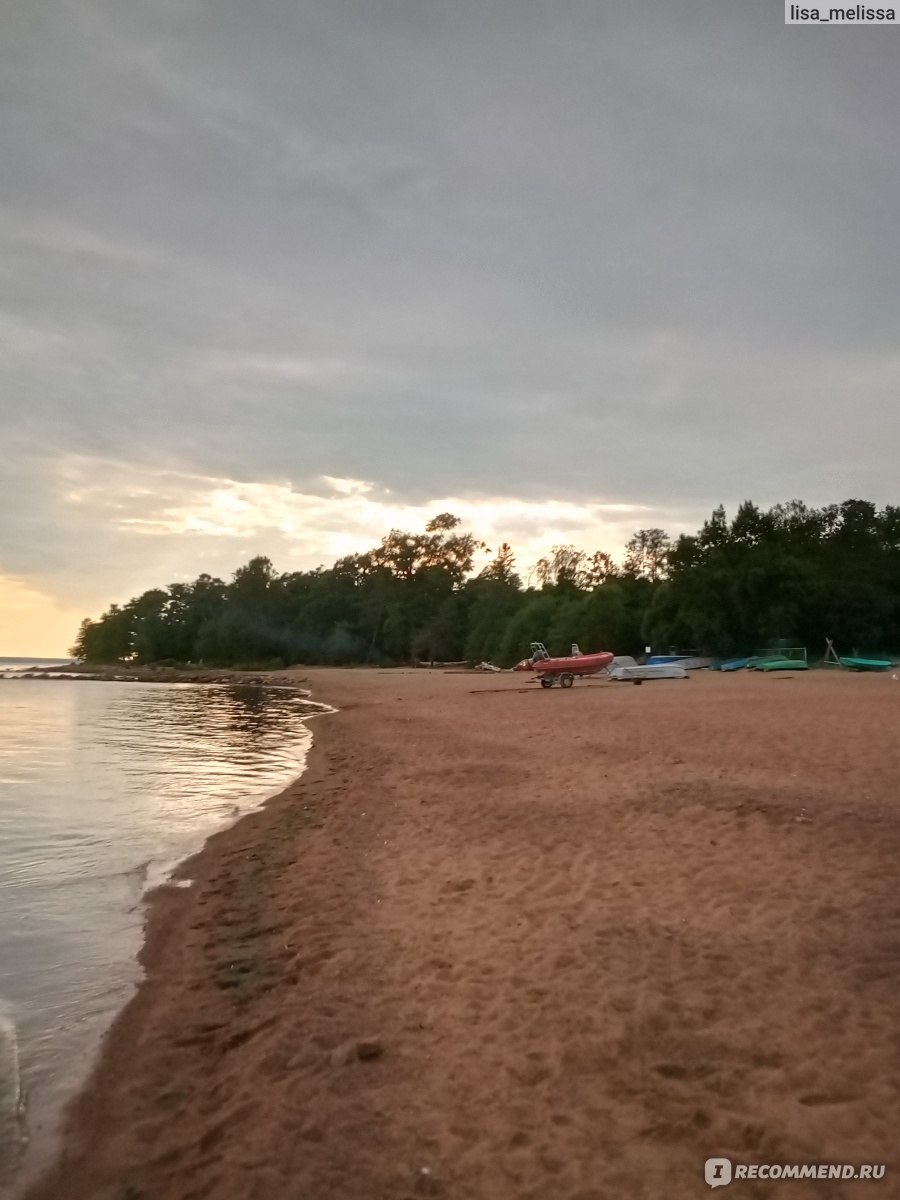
{"x":791,"y":575}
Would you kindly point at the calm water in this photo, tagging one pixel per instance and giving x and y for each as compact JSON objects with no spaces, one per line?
{"x":103,"y":787}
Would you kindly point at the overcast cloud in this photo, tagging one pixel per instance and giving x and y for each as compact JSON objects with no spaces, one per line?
{"x":532,"y":260}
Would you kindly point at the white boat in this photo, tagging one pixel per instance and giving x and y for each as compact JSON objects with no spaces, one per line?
{"x":638,"y":674}
{"x":622,"y":660}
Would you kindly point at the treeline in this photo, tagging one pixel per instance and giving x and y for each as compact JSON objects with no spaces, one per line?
{"x":792,"y":575}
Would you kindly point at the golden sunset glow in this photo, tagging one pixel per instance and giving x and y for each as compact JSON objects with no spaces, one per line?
{"x":32,"y":623}
{"x":165,"y":526}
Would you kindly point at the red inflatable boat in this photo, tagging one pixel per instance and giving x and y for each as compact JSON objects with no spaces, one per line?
{"x":563,"y":670}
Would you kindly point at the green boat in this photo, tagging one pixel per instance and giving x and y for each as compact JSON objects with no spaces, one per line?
{"x":781,"y":664}
{"x":779,"y":659}
{"x":865,"y":664}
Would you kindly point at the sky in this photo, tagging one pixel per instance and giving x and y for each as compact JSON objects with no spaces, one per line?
{"x":277,"y":277}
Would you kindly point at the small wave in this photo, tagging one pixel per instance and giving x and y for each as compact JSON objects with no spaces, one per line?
{"x":159,"y":874}
{"x":137,"y":873}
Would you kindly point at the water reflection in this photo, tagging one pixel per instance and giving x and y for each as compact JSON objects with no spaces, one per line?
{"x":102,"y":787}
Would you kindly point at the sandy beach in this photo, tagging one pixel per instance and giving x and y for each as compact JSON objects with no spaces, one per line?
{"x":507,"y":944}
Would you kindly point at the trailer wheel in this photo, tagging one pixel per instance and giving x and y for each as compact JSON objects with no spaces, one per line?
{"x":566,"y":680}
{"x":546,"y":681}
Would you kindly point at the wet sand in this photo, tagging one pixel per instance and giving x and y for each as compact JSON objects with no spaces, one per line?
{"x":584,"y":939}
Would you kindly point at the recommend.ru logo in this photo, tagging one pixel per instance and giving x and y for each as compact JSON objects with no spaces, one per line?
{"x":719,"y":1171}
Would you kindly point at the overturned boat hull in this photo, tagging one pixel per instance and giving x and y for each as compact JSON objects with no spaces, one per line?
{"x":650,"y":671}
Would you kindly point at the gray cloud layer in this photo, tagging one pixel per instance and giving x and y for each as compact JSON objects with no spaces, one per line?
{"x":641,"y":253}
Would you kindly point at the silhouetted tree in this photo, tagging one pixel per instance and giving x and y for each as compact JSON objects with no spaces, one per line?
{"x":790,"y":574}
